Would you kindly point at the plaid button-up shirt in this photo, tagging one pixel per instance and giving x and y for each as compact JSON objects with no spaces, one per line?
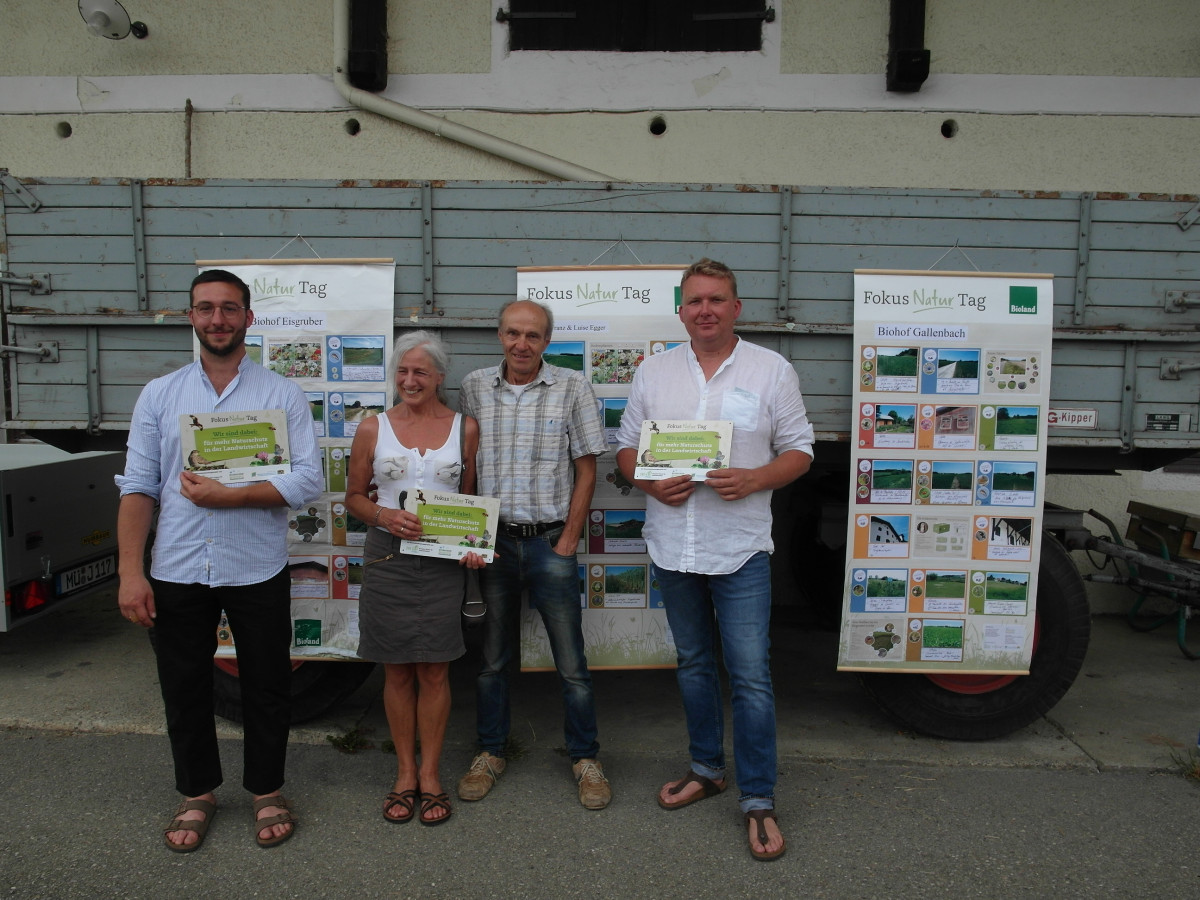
{"x":528,"y":438}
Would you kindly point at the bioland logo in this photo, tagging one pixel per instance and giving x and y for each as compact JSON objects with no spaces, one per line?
{"x":1022,"y":301}
{"x":307,"y":632}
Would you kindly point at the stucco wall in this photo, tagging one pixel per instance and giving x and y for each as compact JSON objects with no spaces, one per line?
{"x":1072,"y":95}
{"x":1156,"y":38}
{"x":825,"y":148}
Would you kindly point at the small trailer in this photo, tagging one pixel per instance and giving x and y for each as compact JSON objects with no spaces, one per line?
{"x":58,"y":528}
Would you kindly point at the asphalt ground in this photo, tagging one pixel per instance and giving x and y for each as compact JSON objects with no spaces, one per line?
{"x":1087,"y":802}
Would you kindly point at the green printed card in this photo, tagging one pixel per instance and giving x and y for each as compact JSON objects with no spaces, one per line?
{"x":452,"y":525}
{"x":235,"y":447}
{"x":670,"y":448}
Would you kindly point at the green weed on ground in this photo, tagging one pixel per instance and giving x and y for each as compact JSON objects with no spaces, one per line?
{"x":350,"y":741}
{"x":1187,"y":762}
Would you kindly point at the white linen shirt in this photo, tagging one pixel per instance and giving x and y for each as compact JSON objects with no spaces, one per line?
{"x":756,"y":389}
{"x":217,"y":547}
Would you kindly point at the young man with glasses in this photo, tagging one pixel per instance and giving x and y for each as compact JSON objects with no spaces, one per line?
{"x":217,"y":547}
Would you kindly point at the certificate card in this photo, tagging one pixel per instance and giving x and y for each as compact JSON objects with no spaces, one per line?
{"x":670,"y":448}
{"x":235,"y":447}
{"x":453,"y":524}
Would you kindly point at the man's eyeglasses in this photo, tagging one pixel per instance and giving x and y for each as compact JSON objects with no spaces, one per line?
{"x":228,"y":310}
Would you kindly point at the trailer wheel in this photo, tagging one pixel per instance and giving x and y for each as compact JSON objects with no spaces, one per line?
{"x":979,"y":707}
{"x":316,"y":687}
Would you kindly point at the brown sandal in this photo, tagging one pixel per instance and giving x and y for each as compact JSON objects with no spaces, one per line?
{"x":283,"y":818}
{"x":708,"y":788}
{"x":406,"y":800}
{"x":430,"y":802}
{"x":758,"y":816}
{"x":200,"y":826}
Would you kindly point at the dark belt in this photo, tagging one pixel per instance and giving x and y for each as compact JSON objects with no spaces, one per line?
{"x":524,"y":530}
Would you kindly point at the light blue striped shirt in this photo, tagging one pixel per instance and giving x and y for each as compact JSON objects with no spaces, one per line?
{"x":217,"y":547}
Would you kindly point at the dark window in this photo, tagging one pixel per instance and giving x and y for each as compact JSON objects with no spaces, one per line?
{"x":636,"y":25}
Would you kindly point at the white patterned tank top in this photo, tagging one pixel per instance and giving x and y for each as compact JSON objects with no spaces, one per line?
{"x":400,"y":469}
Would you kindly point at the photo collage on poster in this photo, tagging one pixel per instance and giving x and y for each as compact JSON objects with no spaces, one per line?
{"x":327,"y":326}
{"x":951,"y":391}
{"x":607,"y":322}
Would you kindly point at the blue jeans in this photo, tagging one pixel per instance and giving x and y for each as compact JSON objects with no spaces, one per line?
{"x":553,"y":584}
{"x":741,"y":602}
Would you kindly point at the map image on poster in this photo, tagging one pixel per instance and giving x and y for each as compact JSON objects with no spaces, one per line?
{"x":949,"y":471}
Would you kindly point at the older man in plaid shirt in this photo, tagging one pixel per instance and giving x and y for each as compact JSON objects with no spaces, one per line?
{"x":539,"y":435}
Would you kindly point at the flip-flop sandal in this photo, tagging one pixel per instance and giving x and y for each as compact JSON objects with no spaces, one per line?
{"x":406,"y":800}
{"x":757,"y":816}
{"x":200,"y":826}
{"x":430,"y":802}
{"x":708,"y":788}
{"x":283,"y":818}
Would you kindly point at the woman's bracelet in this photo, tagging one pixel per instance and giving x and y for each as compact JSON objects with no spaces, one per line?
{"x":378,"y":513}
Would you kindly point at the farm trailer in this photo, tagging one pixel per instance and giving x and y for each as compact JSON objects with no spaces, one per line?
{"x":95,"y":275}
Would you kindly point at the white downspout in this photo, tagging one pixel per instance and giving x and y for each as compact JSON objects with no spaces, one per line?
{"x":408,"y":115}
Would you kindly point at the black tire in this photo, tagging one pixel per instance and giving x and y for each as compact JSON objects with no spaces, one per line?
{"x":1064,"y":628}
{"x":317,"y":687}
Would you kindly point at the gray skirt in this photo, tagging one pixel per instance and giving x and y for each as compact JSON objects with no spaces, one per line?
{"x":410,"y":607}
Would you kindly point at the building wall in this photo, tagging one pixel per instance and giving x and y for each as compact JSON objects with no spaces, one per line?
{"x":1081,"y":95}
{"x":1072,"y":95}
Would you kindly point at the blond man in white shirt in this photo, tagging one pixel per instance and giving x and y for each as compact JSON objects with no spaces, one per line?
{"x":710,"y":541}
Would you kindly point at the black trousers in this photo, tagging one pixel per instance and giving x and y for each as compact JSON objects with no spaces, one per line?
{"x":185,"y":638}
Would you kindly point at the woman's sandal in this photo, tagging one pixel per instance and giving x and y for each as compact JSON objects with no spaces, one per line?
{"x":200,"y":826}
{"x":406,"y":800}
{"x":283,"y":818}
{"x":430,"y":802}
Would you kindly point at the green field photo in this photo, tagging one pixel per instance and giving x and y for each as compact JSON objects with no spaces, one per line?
{"x":1013,"y":477}
{"x":892,"y":478}
{"x":943,"y":637}
{"x":565,"y":354}
{"x":886,"y":586}
{"x":1007,"y":586}
{"x":625,"y":579}
{"x":897,"y":361}
{"x":946,"y":585}
{"x":1017,"y":420}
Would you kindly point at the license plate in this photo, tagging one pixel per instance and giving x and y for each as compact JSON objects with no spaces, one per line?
{"x":79,"y":577}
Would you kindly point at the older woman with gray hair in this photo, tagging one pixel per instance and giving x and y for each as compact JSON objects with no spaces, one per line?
{"x":409,"y":606}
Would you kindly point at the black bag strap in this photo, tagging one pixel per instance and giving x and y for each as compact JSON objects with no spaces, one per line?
{"x":462,"y":448}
